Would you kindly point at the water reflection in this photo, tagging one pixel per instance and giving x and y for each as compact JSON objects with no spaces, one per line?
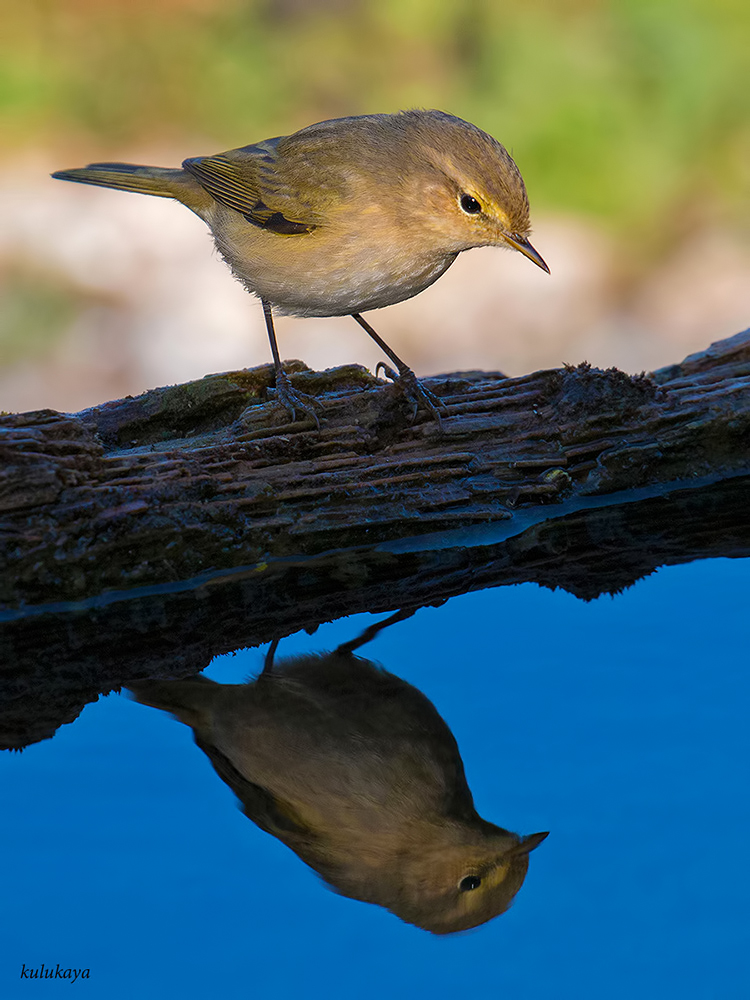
{"x":354,"y":770}
{"x":56,"y":658}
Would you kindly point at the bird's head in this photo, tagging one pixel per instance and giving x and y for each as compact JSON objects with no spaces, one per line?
{"x":459,"y":886}
{"x":472,"y":192}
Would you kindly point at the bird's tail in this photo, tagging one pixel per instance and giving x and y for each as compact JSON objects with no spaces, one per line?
{"x":164,"y":182}
{"x":190,"y":700}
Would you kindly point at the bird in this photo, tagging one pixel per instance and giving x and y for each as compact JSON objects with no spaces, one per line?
{"x":354,"y":769}
{"x":346,"y":215}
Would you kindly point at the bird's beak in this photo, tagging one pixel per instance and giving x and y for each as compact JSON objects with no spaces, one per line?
{"x":527,"y":844}
{"x":521,"y":244}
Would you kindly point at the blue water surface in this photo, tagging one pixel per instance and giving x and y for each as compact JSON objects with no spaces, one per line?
{"x":618,"y":725}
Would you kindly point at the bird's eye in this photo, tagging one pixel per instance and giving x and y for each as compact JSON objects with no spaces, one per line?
{"x":469,"y":883}
{"x":469,"y":205}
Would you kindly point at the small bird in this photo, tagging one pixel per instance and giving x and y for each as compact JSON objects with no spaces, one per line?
{"x":356,"y":772}
{"x":346,"y":215}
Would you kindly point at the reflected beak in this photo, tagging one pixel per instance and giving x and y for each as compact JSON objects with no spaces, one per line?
{"x":533,"y":840}
{"x":521,"y":244}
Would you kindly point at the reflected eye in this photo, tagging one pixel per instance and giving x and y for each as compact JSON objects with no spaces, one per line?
{"x":469,"y":883}
{"x":469,"y":205}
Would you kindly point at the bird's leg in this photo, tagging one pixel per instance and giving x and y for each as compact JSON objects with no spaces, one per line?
{"x":290,"y":398}
{"x":369,"y":633}
{"x":406,"y":379}
{"x":270,"y":653}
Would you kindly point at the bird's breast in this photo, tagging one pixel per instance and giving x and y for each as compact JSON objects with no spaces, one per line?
{"x":332,"y":271}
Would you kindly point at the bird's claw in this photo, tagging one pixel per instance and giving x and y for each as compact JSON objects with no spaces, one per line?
{"x":387,"y":371}
{"x":293,"y":400}
{"x":414,"y":391}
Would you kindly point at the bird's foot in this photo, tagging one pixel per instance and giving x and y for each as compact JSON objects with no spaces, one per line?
{"x":293,"y":400}
{"x":414,"y":391}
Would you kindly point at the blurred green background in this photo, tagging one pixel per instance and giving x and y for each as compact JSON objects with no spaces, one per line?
{"x":632,"y":115}
{"x":636,"y":111}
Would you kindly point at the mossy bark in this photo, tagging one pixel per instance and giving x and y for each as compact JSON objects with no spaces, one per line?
{"x":207,"y":476}
{"x":145,"y":536}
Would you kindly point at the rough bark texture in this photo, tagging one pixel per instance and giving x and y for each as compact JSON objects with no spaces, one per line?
{"x":205,"y":476}
{"x":187,"y":522}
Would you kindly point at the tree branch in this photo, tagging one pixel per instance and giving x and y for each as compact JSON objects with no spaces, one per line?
{"x":206,"y":476}
{"x":143,"y":537}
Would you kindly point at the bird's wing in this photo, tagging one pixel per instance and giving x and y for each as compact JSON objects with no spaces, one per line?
{"x":258,"y":804}
{"x":251,"y":180}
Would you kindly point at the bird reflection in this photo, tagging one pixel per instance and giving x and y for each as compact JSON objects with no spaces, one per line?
{"x":355,"y":771}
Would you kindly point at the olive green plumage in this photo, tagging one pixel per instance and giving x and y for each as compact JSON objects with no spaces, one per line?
{"x":346,"y":215}
{"x":355,"y":771}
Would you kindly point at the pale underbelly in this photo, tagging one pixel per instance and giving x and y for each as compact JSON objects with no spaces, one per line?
{"x":299,"y":276}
